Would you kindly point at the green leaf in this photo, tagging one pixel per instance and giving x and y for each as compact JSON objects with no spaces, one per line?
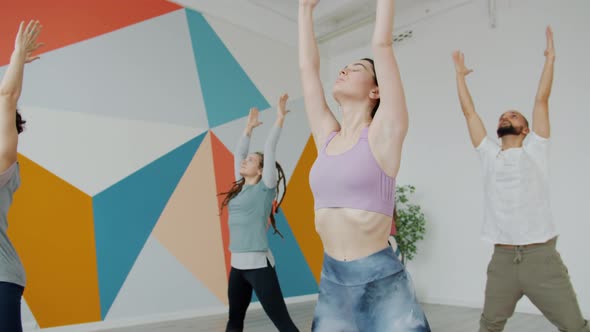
{"x":410,"y":222}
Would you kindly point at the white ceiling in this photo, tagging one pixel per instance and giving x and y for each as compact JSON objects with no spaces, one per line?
{"x":277,"y":19}
{"x":288,"y":8}
{"x":329,"y":16}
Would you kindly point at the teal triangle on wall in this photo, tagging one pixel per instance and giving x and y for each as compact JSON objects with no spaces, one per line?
{"x":227,"y":90}
{"x":126,"y":213}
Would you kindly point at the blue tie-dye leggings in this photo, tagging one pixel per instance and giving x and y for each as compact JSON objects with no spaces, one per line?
{"x":371,"y":294}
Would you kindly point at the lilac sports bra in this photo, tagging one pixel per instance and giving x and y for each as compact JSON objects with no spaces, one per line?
{"x":352,"y":179}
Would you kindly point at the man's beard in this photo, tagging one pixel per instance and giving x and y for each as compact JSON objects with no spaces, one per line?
{"x":508,"y":130}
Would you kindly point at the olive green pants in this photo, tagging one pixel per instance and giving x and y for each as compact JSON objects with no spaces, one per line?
{"x":537,"y":272}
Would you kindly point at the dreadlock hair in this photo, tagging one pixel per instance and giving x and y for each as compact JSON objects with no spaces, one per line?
{"x":20,"y":122}
{"x":376,"y":83}
{"x":237,"y":186}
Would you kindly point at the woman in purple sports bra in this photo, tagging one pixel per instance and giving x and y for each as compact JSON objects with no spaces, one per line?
{"x":363,"y":285}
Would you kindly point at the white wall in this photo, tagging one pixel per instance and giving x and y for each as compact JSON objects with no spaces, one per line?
{"x":438,"y":158}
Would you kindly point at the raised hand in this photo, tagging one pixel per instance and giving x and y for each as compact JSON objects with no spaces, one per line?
{"x":459,"y":59}
{"x":311,"y":3}
{"x":541,"y":123}
{"x":282,"y":107}
{"x":550,"y":50}
{"x":477,"y":131}
{"x":26,"y":40}
{"x":253,"y":119}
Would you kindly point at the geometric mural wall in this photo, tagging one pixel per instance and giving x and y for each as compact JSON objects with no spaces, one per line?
{"x":225,"y":99}
{"x":67,"y":22}
{"x":132,"y":114}
{"x":126,"y":213}
{"x":51,"y":226}
{"x":295,"y":209}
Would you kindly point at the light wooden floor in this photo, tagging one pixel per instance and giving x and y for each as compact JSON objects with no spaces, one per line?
{"x":442,"y":319}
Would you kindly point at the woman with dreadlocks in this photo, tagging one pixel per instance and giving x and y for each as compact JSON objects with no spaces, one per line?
{"x":252,"y":201}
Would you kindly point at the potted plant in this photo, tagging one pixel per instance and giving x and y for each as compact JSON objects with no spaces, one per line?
{"x":409,"y":221}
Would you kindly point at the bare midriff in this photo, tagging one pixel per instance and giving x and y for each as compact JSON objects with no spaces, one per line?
{"x":349,"y":234}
